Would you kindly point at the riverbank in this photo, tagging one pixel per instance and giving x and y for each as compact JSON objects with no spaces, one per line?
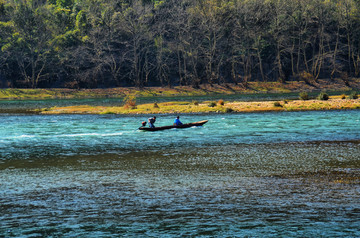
{"x":334,"y":103}
{"x":203,"y":90}
{"x":256,"y":97}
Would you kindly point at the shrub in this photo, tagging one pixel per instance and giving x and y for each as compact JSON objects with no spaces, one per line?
{"x":130,"y":102}
{"x":229,"y":110}
{"x":221,"y":102}
{"x":345,"y":77}
{"x":353,"y":95}
{"x":306,"y":77}
{"x":72,"y":85}
{"x":196,"y":103}
{"x":286,"y":101}
{"x":343,"y":96}
{"x":277,"y":104}
{"x":212,"y":104}
{"x":323,"y":96}
{"x":156,"y":105}
{"x":304,"y":96}
{"x":131,"y":105}
{"x":107,"y":112}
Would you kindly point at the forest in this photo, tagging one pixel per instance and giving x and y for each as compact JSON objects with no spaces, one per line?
{"x":141,"y":43}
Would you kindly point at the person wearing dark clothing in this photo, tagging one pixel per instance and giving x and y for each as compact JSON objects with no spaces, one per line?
{"x":151,"y":122}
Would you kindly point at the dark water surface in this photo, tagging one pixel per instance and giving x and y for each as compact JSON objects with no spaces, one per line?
{"x":289,"y":174}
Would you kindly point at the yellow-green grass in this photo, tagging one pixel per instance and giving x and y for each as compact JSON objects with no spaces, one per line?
{"x":205,"y":107}
{"x":26,"y":93}
{"x":120,"y":92}
{"x":206,"y":89}
{"x":114,"y":92}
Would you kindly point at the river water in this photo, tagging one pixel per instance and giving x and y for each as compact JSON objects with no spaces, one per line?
{"x":288,"y":174}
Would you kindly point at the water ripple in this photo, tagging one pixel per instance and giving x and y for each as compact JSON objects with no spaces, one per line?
{"x":255,"y":175}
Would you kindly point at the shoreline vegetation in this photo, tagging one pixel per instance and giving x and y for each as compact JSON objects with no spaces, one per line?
{"x":335,"y":101}
{"x":180,"y":91}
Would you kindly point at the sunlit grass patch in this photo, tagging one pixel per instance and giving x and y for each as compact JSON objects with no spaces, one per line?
{"x":189,"y":107}
{"x":177,"y":91}
{"x":107,"y":112}
{"x":13,"y":93}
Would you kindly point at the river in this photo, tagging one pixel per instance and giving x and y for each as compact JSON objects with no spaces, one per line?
{"x":284,"y":174}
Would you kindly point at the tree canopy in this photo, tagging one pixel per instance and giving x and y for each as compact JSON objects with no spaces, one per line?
{"x":97,"y":43}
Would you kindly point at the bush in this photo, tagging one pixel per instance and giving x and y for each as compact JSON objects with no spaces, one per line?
{"x":156,"y":105}
{"x":221,"y":102}
{"x":323,"y":96}
{"x":130,"y":102}
{"x":343,"y":96}
{"x":353,"y":95}
{"x":277,"y":104}
{"x":212,"y":104}
{"x":107,"y":112}
{"x":304,"y":96}
{"x":308,"y":78}
{"x":229,"y":110}
{"x":345,"y":77}
{"x":196,"y":103}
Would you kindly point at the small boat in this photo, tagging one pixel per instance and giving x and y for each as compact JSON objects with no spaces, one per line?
{"x":199,"y":123}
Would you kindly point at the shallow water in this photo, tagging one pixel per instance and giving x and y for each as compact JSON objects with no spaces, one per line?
{"x":289,"y":174}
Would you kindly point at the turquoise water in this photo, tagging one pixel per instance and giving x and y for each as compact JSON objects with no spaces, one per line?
{"x":29,"y":136}
{"x":288,"y":174}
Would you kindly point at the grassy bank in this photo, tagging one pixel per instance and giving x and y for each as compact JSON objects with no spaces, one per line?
{"x":231,"y":92}
{"x":203,"y":90}
{"x":334,"y":103}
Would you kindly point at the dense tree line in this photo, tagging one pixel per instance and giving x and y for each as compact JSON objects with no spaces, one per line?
{"x":98,"y":43}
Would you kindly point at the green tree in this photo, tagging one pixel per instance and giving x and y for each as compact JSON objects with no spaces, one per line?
{"x":134,"y":28}
{"x":31,"y":42}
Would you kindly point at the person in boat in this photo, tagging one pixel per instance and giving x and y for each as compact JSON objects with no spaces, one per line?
{"x":151,"y":122}
{"x":177,"y":121}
